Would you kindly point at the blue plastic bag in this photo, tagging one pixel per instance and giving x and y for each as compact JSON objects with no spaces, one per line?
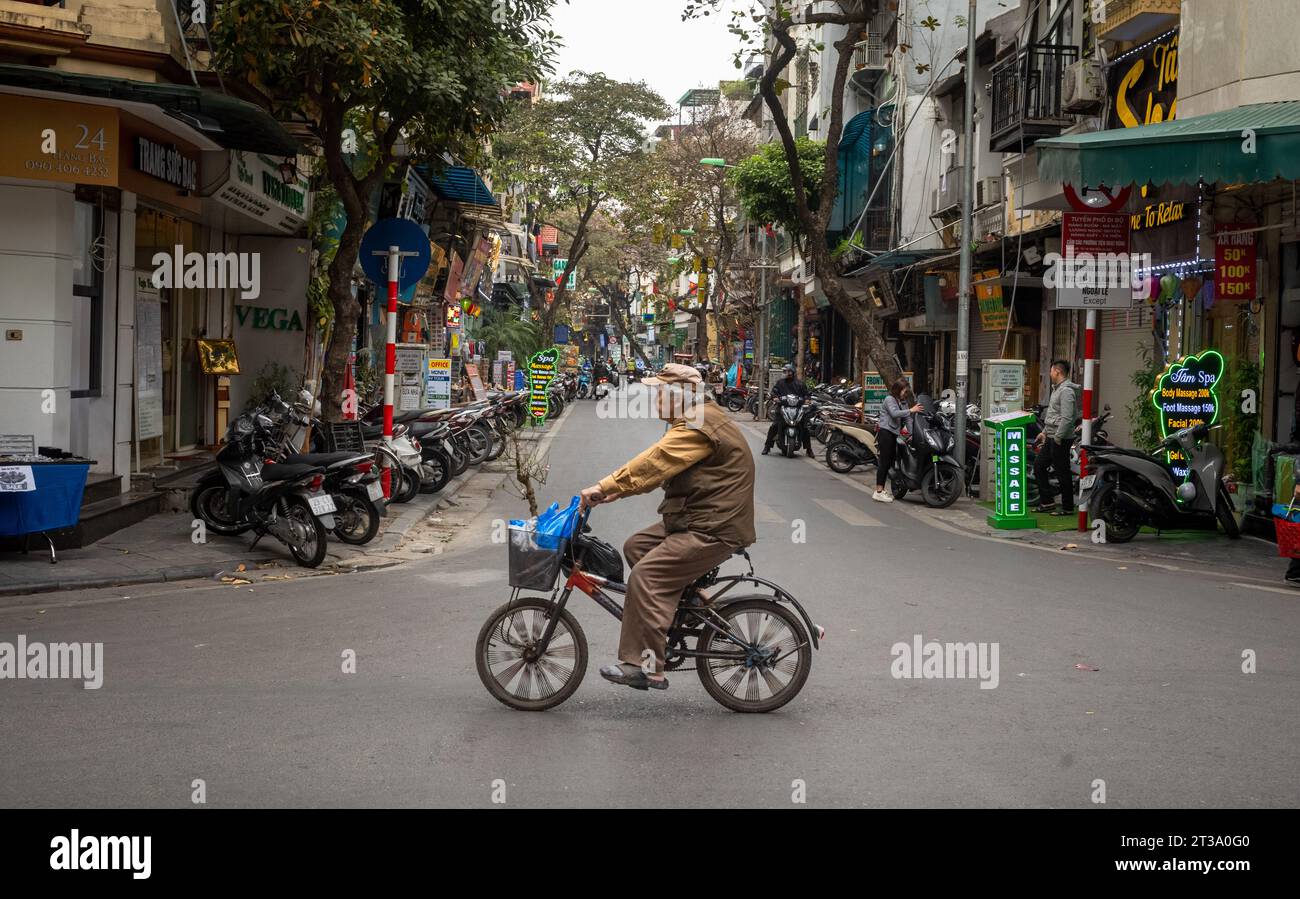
{"x":556,"y":524}
{"x":1289,"y":513}
{"x":552,"y":527}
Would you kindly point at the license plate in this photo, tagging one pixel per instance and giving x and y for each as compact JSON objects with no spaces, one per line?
{"x":1087,"y":482}
{"x":321,"y":504}
{"x":375,"y":490}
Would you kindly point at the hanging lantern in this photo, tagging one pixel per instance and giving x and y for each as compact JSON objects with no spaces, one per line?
{"x":1206,"y":295}
{"x":1191,"y":287}
{"x":1168,"y":286}
{"x":1152,"y":290}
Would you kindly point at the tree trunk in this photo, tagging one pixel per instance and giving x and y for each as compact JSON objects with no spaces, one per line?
{"x":346,"y":311}
{"x":860,"y":320}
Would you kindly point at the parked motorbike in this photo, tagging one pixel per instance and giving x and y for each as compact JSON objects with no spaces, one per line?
{"x":849,"y":446}
{"x":732,"y":398}
{"x":925,"y":460}
{"x":245,"y":493}
{"x":1129,"y":488}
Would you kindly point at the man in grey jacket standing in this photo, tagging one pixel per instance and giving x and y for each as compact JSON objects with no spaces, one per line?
{"x":1053,"y":446}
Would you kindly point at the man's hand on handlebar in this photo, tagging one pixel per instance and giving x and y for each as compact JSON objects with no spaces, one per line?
{"x":592,"y":496}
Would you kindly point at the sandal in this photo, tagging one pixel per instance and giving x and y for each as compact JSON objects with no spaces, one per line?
{"x":631,"y":676}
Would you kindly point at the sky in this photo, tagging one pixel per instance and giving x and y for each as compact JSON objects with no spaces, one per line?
{"x":644,"y":40}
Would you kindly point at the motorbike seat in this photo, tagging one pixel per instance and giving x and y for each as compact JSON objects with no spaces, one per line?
{"x":328,"y":460}
{"x":279,"y":471}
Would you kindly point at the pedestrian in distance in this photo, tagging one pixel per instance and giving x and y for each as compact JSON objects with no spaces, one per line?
{"x":1054,"y":442}
{"x":894,"y":413}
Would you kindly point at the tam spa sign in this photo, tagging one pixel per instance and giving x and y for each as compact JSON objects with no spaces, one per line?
{"x":1186,"y":395}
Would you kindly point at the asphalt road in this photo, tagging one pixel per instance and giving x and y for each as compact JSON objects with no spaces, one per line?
{"x":244,"y":689}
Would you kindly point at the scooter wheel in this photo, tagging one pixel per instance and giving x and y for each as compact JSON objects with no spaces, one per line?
{"x":312,"y":550}
{"x":357,"y":520}
{"x":898,"y":487}
{"x":941,"y":485}
{"x":838,"y":458}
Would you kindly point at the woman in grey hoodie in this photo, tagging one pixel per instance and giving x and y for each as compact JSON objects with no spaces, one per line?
{"x":893,"y":415}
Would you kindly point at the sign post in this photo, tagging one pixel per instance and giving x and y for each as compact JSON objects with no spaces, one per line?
{"x":394,"y":233}
{"x":1097,"y":275}
{"x":1010,"y":449}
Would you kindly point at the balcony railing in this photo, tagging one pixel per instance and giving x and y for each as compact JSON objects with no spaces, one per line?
{"x":1027,"y":96}
{"x":1128,"y":20}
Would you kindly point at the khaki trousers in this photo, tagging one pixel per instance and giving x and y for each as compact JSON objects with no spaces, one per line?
{"x":662,"y":567}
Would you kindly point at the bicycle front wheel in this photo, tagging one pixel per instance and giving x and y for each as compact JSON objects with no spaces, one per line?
{"x":512,"y":666}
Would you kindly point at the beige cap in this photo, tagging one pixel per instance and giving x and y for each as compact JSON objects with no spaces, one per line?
{"x":672,"y":373}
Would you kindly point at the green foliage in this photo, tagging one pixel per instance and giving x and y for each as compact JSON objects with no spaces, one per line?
{"x":766,"y":190}
{"x":273,"y":378}
{"x":1240,"y":428}
{"x":442,"y":67}
{"x":503,"y":330}
{"x":1143,"y":419}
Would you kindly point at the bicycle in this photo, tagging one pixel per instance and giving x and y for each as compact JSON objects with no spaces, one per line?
{"x":753,"y":651}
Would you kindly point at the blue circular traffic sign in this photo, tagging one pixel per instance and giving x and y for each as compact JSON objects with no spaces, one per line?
{"x":402,"y":233}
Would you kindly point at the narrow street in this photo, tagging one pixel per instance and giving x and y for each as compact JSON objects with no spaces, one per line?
{"x":242,"y":686}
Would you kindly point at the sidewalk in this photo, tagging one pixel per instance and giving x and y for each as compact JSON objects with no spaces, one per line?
{"x":160,"y":548}
{"x":1247,"y":559}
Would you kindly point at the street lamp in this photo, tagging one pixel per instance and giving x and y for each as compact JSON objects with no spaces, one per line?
{"x":716,"y":163}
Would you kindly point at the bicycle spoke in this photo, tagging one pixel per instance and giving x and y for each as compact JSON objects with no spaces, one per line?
{"x":774,"y":684}
{"x":561,"y":673}
{"x":526,"y":682}
{"x":505,"y":677}
{"x":544,"y":686}
{"x":733,"y":682}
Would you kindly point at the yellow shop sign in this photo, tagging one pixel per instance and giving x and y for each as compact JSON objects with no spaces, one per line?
{"x":53,"y":140}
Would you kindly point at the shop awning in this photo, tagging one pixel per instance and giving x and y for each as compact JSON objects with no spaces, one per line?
{"x":460,"y":184}
{"x":887,"y":262}
{"x":1216,"y":147}
{"x":231,"y":123}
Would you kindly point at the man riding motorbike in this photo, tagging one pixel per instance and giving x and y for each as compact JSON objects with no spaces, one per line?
{"x":707,"y":471}
{"x":784,"y":387}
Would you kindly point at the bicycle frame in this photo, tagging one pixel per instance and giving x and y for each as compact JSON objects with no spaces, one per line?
{"x":594,"y":586}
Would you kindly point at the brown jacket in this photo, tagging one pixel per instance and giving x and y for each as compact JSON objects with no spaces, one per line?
{"x":707,"y":472}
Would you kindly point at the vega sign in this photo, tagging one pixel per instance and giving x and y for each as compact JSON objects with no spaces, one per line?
{"x":1186,"y":395}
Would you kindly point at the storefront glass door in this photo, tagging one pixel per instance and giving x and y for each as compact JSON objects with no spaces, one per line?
{"x":181,"y":326}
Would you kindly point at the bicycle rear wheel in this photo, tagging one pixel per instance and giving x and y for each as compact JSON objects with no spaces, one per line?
{"x":512,"y":669}
{"x":771,"y":672}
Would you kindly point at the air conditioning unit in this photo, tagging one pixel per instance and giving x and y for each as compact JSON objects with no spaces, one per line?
{"x":988,"y":191}
{"x":1082,"y":87}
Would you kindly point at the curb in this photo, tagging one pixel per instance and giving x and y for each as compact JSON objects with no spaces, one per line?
{"x":412,"y":514}
{"x":149,"y":576}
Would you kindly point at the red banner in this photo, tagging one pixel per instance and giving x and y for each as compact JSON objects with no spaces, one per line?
{"x":1234,"y":267}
